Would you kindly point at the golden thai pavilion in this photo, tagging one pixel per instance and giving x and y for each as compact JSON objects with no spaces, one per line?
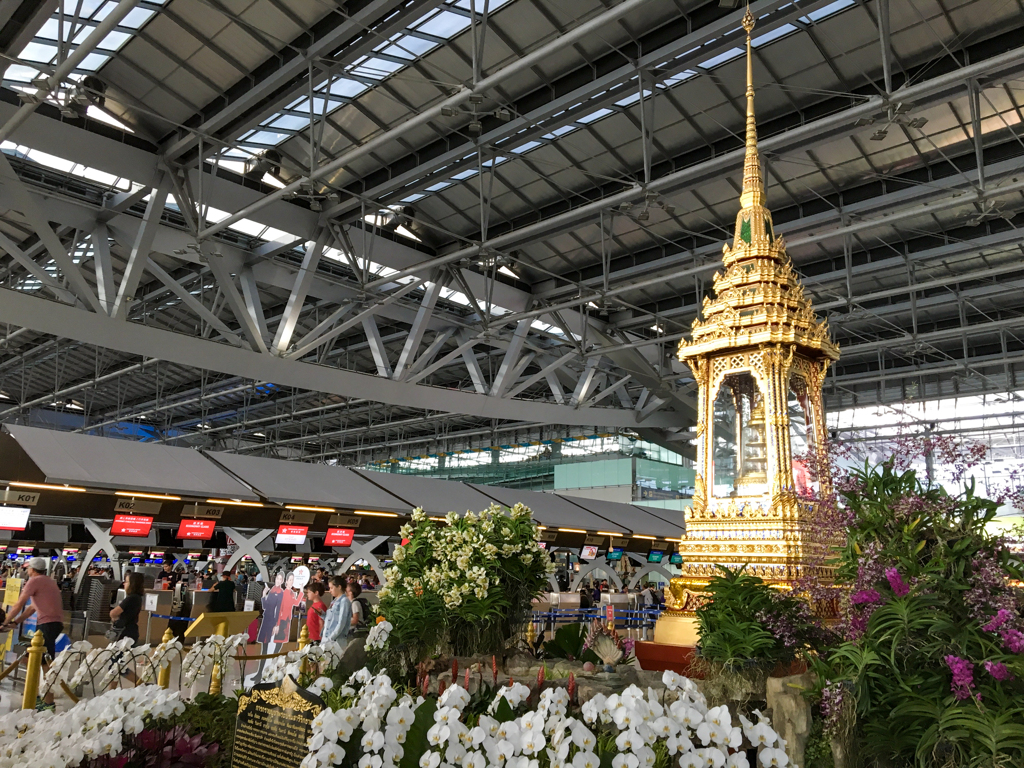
{"x":759,"y":356}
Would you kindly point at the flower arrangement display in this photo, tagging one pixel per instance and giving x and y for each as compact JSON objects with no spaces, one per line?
{"x":93,"y":729}
{"x":933,"y":664}
{"x":748,"y":623}
{"x":99,"y":667}
{"x":373,"y":725}
{"x":464,"y":587}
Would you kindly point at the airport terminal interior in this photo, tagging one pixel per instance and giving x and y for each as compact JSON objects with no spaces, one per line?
{"x":530,"y":383}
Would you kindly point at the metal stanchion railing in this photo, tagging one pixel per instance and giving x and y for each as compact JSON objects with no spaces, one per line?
{"x":35,"y":665}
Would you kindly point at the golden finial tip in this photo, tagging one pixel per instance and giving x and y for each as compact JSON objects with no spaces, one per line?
{"x":748,"y":21}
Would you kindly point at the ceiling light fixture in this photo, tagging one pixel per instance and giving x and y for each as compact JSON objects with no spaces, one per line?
{"x":571,"y":530}
{"x":375,"y":514}
{"x":235,"y":502}
{"x":303,"y":508}
{"x":47,"y":487}
{"x":161,"y":496}
{"x":643,"y":536}
{"x":609,"y":533}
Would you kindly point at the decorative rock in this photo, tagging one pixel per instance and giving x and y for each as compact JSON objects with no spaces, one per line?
{"x":790,"y":712}
{"x":588,"y":666}
{"x":353,"y":658}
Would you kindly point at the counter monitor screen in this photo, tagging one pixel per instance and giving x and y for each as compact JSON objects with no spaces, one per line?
{"x":13,"y":518}
{"x":26,"y":550}
{"x":291,"y":534}
{"x":314,"y":560}
{"x":136,"y":555}
{"x":339,"y":537}
{"x":131,"y":525}
{"x":296,"y":559}
{"x":192,"y":556}
{"x":542,"y":544}
{"x":588,"y":552}
{"x":615,"y":553}
{"x":156,"y":557}
{"x":655,"y":556}
{"x":196,"y":530}
{"x":675,"y":559}
{"x":70,"y":555}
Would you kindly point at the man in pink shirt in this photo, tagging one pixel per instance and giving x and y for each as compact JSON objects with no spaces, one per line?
{"x":46,"y":604}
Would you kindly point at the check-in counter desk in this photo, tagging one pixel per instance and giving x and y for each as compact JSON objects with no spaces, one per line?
{"x":156,"y":626}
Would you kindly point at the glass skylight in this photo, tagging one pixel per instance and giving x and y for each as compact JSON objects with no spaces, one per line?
{"x":390,"y":57}
{"x":39,"y":56}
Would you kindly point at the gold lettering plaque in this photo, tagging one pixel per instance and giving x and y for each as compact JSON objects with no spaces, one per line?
{"x":273,"y":725}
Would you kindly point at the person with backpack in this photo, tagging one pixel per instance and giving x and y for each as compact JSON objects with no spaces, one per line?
{"x":360,"y":608}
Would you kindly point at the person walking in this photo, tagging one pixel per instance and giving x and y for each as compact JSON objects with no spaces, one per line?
{"x":46,"y":605}
{"x":338,"y":621}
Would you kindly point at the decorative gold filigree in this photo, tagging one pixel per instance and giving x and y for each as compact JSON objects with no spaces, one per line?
{"x":276,"y":697}
{"x":759,"y":321}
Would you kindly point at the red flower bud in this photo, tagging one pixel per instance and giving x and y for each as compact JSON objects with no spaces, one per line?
{"x":455,"y":670}
{"x":572,"y":686}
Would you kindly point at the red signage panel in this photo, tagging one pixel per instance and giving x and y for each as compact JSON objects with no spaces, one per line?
{"x":200,"y":530}
{"x":339,"y":537}
{"x":131,"y":525}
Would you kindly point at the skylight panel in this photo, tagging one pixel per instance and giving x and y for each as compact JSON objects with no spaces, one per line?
{"x":492,"y":5}
{"x":289,"y":122}
{"x":136,"y":17}
{"x":493,"y":161}
{"x":772,"y":34}
{"x":559,"y":132}
{"x":633,"y":98}
{"x":678,"y":78}
{"x":264,"y":138}
{"x":467,"y":174}
{"x":413,"y":198}
{"x":594,"y":116}
{"x":721,"y":58}
{"x":40,"y":52}
{"x":407,"y":47}
{"x":439,"y":186}
{"x":828,"y":10}
{"x":526,"y":147}
{"x":347,"y":88}
{"x":375,"y":67}
{"x":444,"y":25}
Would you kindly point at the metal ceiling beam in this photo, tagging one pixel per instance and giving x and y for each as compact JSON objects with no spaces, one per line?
{"x":710,"y":40}
{"x":801,"y":138}
{"x":290,"y":81}
{"x":137,"y":339}
{"x":297,"y":297}
{"x":67,"y":66}
{"x":532,"y":59}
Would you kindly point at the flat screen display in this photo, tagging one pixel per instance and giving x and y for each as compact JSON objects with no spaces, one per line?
{"x":136,"y":555}
{"x":131,"y":525}
{"x":198,"y":530}
{"x":542,"y":544}
{"x":14,"y":518}
{"x":339,"y":537}
{"x":296,"y":558}
{"x":615,"y":553}
{"x":291,"y":534}
{"x":314,"y":560}
{"x":26,"y":550}
{"x":589,"y":552}
{"x":192,"y":556}
{"x":675,"y":559}
{"x":655,"y":555}
{"x":70,"y":555}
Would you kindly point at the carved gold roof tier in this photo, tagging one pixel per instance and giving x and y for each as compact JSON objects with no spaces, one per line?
{"x":759,"y":298}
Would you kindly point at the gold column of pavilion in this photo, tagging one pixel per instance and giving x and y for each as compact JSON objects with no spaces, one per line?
{"x":759,"y":356}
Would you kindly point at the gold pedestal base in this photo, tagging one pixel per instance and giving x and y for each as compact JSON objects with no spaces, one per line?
{"x":676,"y":629}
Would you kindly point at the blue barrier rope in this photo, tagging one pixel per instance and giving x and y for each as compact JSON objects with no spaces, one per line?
{"x":170,"y":618}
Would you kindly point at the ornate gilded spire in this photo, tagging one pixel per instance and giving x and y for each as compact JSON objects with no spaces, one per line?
{"x":753,"y":184}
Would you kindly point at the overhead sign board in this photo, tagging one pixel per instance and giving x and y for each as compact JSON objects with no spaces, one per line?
{"x":344,"y":521}
{"x":137,"y":507}
{"x":548,"y":535}
{"x":302,"y":518}
{"x":622,"y":543}
{"x":202,"y":510}
{"x":593,"y":541}
{"x":21,"y":498}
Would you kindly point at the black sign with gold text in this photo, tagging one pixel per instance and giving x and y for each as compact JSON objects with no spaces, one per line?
{"x":273,"y":725}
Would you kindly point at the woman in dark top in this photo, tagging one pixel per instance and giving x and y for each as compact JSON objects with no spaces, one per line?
{"x":126,"y":614}
{"x":224,"y":595}
{"x":125,"y":617}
